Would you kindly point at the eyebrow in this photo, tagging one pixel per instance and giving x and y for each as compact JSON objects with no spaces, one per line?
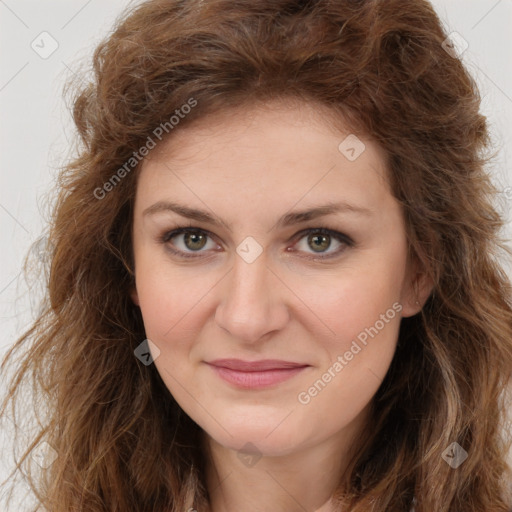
{"x":288,"y":219}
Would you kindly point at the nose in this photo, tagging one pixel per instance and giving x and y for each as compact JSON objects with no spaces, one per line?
{"x":252,"y":302}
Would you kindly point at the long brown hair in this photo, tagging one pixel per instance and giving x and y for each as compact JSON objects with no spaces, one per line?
{"x":121,"y":441}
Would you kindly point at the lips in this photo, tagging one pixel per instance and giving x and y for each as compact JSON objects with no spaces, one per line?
{"x":254,"y":375}
{"x":256,"y":366}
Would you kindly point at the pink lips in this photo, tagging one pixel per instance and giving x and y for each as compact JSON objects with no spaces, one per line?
{"x":255,"y":374}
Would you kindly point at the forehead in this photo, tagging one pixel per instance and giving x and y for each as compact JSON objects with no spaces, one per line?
{"x":255,"y":155}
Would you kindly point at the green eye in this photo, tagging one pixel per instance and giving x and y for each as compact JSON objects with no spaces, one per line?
{"x":197,"y":240}
{"x":194,"y":239}
{"x":319,"y":240}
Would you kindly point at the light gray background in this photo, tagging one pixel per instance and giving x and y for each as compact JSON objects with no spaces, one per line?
{"x":36,"y":129}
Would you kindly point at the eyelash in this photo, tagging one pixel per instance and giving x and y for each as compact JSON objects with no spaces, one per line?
{"x":341,"y":237}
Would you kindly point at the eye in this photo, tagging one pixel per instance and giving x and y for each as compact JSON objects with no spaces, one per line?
{"x":190,"y":242}
{"x":320,"y":240}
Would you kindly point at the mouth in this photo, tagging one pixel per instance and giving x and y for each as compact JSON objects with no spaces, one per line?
{"x":256,"y":374}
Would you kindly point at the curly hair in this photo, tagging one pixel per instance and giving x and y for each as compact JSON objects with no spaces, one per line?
{"x":122,"y":443}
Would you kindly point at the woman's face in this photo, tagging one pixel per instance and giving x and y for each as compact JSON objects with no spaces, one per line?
{"x":250,"y":283}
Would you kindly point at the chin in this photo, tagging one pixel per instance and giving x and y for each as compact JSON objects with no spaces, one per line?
{"x":264,"y":440}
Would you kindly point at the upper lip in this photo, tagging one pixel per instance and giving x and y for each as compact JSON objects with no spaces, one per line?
{"x":254,"y":366}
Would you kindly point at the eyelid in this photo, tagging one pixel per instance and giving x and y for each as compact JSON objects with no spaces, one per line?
{"x":339,"y":236}
{"x":324,"y":230}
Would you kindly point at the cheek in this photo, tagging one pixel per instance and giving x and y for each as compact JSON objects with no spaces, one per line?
{"x":360,"y":312}
{"x":172,"y":307}
{"x":357,"y":356}
{"x":171,"y":297}
{"x":353,"y":303}
{"x":359,"y":347}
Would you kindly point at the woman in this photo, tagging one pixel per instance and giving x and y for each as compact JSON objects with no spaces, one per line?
{"x":274,"y":281}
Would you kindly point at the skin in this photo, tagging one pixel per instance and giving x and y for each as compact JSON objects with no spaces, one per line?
{"x":249,"y":168}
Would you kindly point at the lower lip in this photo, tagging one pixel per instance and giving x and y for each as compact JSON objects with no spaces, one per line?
{"x":256,"y":380}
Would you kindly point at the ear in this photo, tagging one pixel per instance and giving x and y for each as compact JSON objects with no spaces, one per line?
{"x":416,"y":289}
{"x":134,"y":295}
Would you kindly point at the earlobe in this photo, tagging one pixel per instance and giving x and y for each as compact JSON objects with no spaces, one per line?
{"x":418,"y":293}
{"x":135,"y":297}
{"x":417,"y":288}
